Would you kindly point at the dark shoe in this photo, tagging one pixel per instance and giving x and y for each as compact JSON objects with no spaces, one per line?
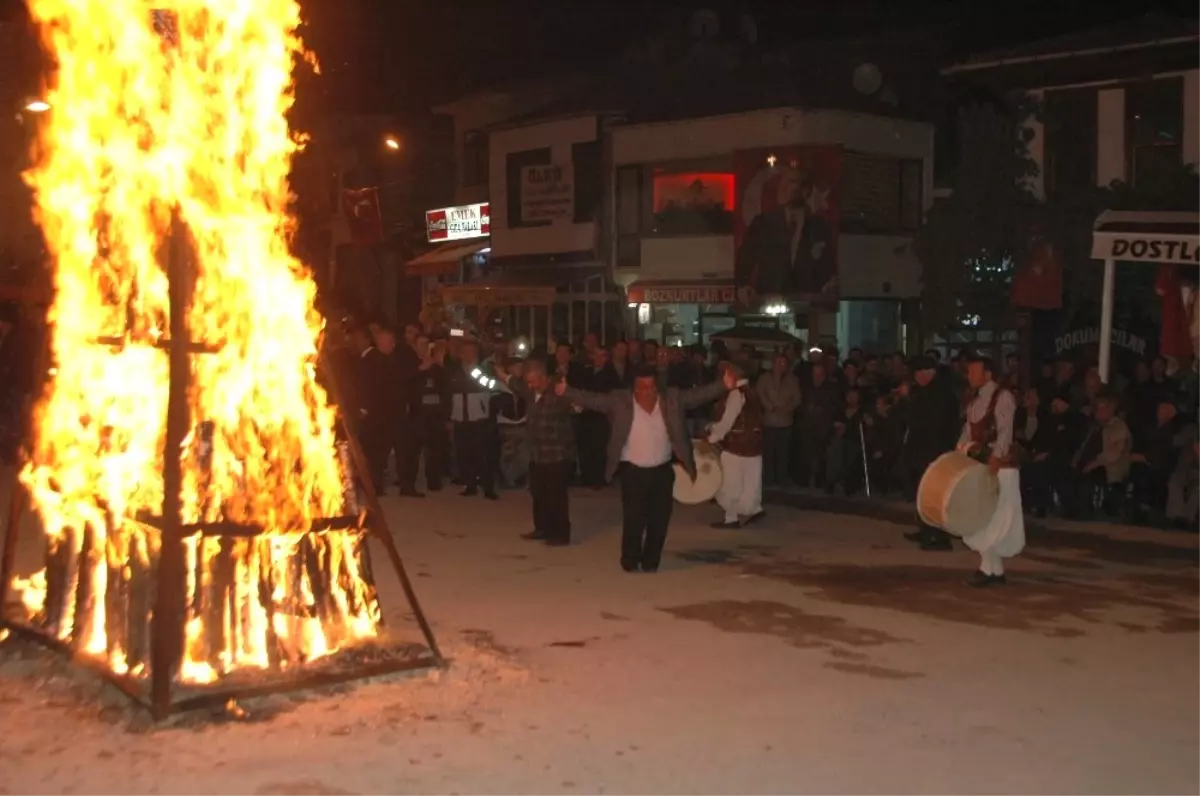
{"x":412,"y":493}
{"x":936,"y":545}
{"x":914,"y":536}
{"x":469,"y":492}
{"x":557,"y":541}
{"x":726,"y":524}
{"x":982,"y":581}
{"x":490,"y":494}
{"x":536,"y":536}
{"x":762,"y":515}
{"x":630,"y":566}
{"x":434,"y":487}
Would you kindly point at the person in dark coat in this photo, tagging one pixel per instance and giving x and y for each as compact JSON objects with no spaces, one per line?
{"x":598,"y":377}
{"x":400,"y":388}
{"x":371,"y":405}
{"x":1047,"y":462}
{"x":933,"y":428}
{"x":551,"y":450}
{"x":820,"y":404}
{"x":433,"y":416}
{"x":788,"y":249}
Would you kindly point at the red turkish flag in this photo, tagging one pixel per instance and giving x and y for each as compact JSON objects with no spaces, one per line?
{"x":361,"y":208}
{"x":1038,"y":285}
{"x":1176,"y":339}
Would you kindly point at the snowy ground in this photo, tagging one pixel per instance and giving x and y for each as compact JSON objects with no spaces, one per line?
{"x":818,"y":653}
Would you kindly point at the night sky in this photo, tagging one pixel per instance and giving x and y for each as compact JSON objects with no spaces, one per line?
{"x":407,"y":55}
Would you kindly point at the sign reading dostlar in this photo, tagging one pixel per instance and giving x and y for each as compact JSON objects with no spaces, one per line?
{"x":547,"y":193}
{"x":1181,"y":249}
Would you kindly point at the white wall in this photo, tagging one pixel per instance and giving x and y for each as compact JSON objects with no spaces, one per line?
{"x":487,"y":109}
{"x":867,"y":262}
{"x":702,"y":257}
{"x":561,"y":236}
{"x":721,"y":135}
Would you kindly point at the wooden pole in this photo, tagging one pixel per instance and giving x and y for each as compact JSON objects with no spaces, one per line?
{"x":166,"y":628}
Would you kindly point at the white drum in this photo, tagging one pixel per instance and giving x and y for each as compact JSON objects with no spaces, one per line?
{"x":958,"y":494}
{"x":708,"y":478}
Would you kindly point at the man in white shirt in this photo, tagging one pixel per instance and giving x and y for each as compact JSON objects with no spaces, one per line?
{"x":988,"y":436}
{"x":649,"y":430}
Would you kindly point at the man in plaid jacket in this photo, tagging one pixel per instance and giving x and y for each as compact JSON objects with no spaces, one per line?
{"x":552,"y":452}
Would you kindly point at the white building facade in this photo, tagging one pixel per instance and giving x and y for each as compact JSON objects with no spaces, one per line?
{"x":678,"y":270}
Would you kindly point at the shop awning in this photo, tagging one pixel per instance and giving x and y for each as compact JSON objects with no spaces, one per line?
{"x":692,"y":292}
{"x":445,"y":258}
{"x":514,"y":286}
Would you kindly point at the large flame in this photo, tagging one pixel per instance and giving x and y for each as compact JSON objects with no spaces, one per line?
{"x":156,"y":114}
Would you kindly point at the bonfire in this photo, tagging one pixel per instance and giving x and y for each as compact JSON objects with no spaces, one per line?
{"x":185,"y":461}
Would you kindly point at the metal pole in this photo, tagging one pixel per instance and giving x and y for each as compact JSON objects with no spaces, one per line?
{"x":1106,"y":319}
{"x":166,"y":625}
{"x":862,"y":444}
{"x":378,"y":524}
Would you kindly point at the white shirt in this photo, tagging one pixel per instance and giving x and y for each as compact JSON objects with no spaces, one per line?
{"x":648,"y":444}
{"x":1006,"y":409}
{"x":733,"y":408}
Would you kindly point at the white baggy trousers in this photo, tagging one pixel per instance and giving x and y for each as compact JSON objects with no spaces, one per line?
{"x":741,"y":486}
{"x":1004,"y":536}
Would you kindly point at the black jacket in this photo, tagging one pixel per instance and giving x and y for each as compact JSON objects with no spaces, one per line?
{"x":933,"y":421}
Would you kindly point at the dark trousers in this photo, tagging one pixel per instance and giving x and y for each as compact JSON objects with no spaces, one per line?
{"x":551,"y":512}
{"x":777,"y":444}
{"x":593,"y":448}
{"x":375,"y":439}
{"x":646,"y":504}
{"x":473,"y":444}
{"x":914,"y":467}
{"x":407,"y":446}
{"x":810,"y":452}
{"x":434,"y":444}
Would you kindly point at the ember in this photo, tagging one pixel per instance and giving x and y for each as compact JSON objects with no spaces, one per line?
{"x":161,"y":189}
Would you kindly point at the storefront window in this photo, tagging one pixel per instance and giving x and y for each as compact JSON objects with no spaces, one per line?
{"x":1154,"y":128}
{"x":691,"y":202}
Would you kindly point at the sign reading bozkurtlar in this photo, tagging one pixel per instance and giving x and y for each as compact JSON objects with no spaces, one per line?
{"x":547,"y":193}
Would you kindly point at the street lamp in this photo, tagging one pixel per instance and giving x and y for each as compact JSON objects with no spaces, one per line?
{"x":392,"y":143}
{"x":37,"y":106}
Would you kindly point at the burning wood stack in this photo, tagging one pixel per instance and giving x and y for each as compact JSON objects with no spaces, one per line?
{"x":182,"y":324}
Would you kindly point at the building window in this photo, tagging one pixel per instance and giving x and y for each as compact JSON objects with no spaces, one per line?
{"x":689,"y":201}
{"x":1153,"y":128}
{"x":880,"y":194}
{"x":1069,"y":126}
{"x":475,"y":159}
{"x":629,"y":216}
{"x":589,"y":180}
{"x":514,"y":165}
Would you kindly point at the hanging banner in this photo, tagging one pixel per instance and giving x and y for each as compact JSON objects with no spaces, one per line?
{"x":361,"y":208}
{"x":786,"y":234}
{"x":547,"y":193}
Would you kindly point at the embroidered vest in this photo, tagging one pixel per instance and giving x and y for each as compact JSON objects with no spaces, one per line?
{"x":746,"y":436}
{"x":983,"y":431}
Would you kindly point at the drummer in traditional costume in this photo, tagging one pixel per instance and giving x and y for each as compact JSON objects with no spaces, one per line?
{"x":739,"y":431}
{"x":988,"y":436}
